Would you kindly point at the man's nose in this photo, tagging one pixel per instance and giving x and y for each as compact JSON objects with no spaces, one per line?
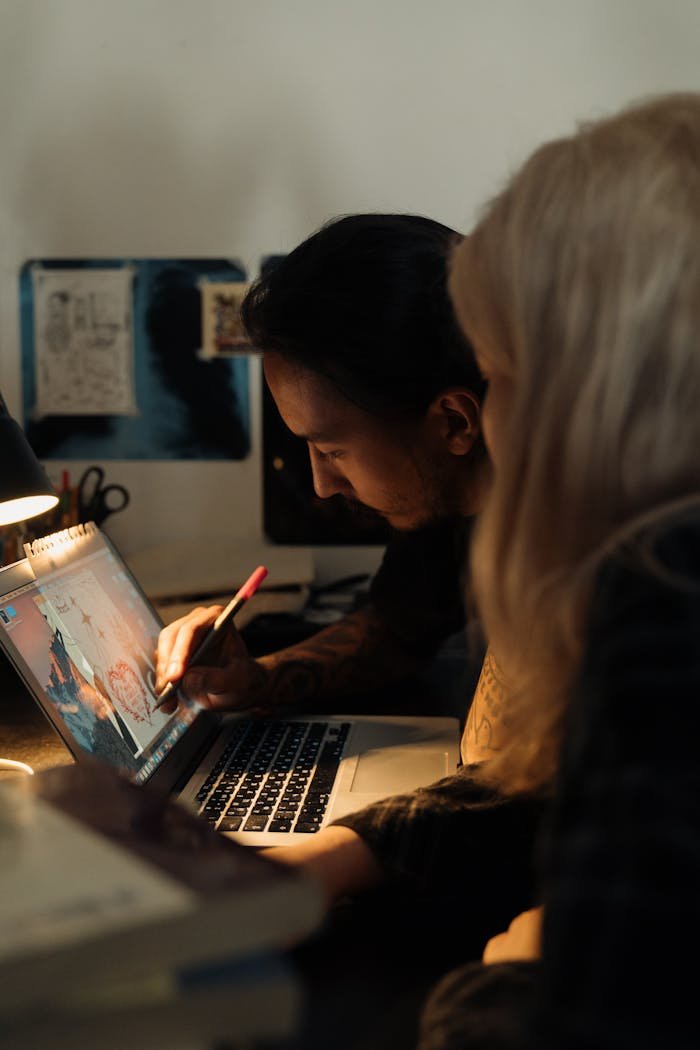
{"x":328,"y":480}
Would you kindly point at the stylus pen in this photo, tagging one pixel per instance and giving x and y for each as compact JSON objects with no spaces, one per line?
{"x":240,"y":598}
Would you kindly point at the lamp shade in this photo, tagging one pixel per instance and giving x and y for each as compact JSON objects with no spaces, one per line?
{"x":25,"y":489}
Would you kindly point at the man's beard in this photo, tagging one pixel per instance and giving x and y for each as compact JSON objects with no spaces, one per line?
{"x":364,"y":520}
{"x":369,"y":520}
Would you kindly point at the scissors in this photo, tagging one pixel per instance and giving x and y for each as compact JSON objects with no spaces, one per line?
{"x":96,"y":501}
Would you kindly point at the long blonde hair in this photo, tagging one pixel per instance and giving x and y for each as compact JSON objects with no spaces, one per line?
{"x":582,"y":280}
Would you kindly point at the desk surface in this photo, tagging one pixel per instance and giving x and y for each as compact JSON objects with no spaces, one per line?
{"x":25,"y":734}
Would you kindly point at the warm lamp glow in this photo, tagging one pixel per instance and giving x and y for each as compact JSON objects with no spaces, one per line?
{"x":25,"y":507}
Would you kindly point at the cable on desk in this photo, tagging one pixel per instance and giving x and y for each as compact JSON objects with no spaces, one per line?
{"x":16,"y":767}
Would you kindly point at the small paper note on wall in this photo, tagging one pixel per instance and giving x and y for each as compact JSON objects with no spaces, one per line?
{"x":222,"y":332}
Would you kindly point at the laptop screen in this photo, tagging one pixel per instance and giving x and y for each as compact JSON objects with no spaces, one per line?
{"x":83,"y":638}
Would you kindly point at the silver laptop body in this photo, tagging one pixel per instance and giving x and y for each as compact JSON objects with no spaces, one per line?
{"x":82,"y":635}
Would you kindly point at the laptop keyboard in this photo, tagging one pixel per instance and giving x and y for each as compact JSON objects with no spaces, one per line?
{"x":274,"y":776}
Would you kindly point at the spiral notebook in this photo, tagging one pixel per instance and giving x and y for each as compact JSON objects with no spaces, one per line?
{"x":82,"y":634}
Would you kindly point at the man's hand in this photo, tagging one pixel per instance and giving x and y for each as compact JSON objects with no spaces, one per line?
{"x":520,"y":941}
{"x":357,"y":653}
{"x":233,"y":681}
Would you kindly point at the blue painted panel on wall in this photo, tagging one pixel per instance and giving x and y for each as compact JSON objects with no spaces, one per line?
{"x":183,"y":406}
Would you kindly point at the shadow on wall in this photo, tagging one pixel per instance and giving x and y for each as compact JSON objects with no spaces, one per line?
{"x":121,"y":174}
{"x":118,"y":180}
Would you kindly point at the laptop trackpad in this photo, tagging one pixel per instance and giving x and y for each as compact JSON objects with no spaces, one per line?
{"x":396,"y":769}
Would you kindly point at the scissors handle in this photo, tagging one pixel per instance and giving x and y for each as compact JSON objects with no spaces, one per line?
{"x":97,"y":501}
{"x":109,"y":500}
{"x":88,"y":488}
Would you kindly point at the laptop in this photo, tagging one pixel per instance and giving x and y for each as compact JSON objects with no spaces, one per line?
{"x":82,"y":634}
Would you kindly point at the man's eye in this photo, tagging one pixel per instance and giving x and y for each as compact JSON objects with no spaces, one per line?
{"x":335,"y":454}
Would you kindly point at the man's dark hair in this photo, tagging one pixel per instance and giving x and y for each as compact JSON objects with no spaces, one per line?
{"x":364,"y":302}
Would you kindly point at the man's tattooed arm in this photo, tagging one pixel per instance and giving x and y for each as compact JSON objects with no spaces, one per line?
{"x":357,"y":653}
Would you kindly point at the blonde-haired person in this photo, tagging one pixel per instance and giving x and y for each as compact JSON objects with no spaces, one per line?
{"x":580,"y":291}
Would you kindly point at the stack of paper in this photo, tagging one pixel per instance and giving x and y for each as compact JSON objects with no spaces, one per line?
{"x":121,"y":912}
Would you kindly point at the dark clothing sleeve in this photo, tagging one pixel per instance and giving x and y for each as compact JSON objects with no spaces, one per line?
{"x":419,"y":587}
{"x":621,"y":871}
{"x":454,"y":837}
{"x":472,"y":997}
{"x":459,"y":838}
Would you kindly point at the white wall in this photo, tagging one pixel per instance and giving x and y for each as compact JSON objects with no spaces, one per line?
{"x":236,"y":127}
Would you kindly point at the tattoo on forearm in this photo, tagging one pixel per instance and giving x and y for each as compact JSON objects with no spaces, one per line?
{"x":292,"y":680}
{"x":355,"y":653}
{"x":485,"y":721}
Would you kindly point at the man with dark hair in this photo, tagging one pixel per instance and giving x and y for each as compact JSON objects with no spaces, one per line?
{"x":366,"y":363}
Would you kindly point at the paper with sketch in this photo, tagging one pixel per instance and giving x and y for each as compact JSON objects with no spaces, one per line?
{"x":83,"y":342}
{"x":103,"y":646}
{"x":90,"y":638}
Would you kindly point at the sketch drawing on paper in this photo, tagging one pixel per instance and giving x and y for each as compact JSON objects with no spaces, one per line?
{"x":103,"y":646}
{"x":83,"y":342}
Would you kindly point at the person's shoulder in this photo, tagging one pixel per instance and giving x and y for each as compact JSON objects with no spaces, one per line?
{"x":676,"y":544}
{"x":666,"y":549}
{"x":652,"y":572}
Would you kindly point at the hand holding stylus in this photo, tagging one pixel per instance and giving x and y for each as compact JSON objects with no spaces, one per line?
{"x":246,"y":591}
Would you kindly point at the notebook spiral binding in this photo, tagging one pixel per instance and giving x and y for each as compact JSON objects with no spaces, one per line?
{"x":58,"y":540}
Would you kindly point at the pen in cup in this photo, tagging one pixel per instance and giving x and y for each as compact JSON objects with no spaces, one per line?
{"x":240,"y":598}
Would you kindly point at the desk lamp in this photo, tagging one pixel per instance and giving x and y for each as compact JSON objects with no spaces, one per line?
{"x":25,"y":489}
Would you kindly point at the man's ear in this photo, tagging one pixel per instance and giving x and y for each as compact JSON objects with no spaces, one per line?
{"x":456,"y":415}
